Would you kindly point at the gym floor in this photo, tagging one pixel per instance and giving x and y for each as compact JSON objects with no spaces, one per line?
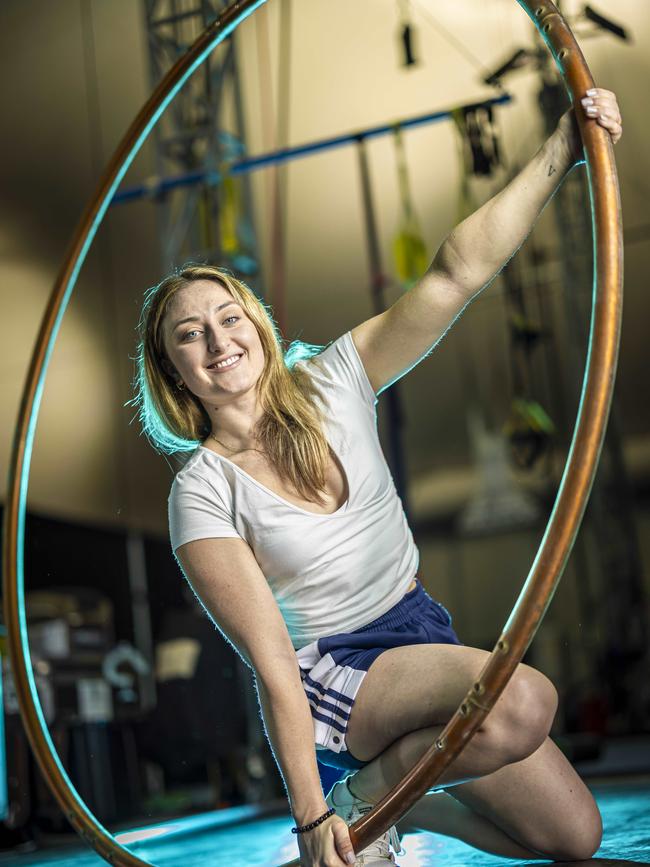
{"x":232,"y":837}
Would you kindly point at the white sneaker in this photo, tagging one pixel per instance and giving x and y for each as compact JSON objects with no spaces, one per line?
{"x":350,"y":809}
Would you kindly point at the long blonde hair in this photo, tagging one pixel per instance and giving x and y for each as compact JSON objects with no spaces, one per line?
{"x":290,"y":430}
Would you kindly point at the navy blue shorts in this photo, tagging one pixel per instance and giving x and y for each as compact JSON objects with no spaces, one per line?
{"x":333,"y":668}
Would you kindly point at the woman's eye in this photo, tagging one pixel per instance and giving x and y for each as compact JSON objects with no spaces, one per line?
{"x":190,"y":333}
{"x":231,"y":319}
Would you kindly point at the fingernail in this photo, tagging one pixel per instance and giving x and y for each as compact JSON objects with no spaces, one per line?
{"x":350,"y":858}
{"x":591,"y":92}
{"x":587,"y":101}
{"x":592,"y":110}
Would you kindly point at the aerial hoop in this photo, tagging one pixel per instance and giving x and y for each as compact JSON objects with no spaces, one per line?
{"x":569,"y":506}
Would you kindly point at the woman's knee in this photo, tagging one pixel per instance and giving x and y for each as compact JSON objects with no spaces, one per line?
{"x":523,"y":715}
{"x":581,"y":840}
{"x":584,"y":845}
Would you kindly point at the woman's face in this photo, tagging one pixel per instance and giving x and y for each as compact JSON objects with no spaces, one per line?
{"x":213,"y":346}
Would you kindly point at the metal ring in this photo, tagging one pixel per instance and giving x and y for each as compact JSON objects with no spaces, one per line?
{"x":570,"y":502}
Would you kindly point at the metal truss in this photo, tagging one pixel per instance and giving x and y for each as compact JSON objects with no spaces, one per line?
{"x":203,"y":131}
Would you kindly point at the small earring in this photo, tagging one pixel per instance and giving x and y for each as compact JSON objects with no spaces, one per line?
{"x":180,"y":385}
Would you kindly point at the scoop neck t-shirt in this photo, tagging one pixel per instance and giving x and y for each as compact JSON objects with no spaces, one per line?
{"x":328,"y":573}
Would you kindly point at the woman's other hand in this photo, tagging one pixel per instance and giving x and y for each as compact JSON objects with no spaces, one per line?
{"x":327,"y":845}
{"x":598,"y":104}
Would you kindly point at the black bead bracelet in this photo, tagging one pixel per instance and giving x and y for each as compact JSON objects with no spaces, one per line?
{"x":303,"y":828}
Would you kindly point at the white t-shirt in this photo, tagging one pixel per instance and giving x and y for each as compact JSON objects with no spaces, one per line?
{"x":328,"y":573}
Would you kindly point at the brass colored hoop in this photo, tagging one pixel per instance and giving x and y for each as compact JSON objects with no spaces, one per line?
{"x":570,"y":502}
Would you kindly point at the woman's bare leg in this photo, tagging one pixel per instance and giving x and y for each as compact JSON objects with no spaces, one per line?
{"x":436,"y":812}
{"x":510,"y":774}
{"x":417,"y":686}
{"x":536,"y":808}
{"x":440,"y":813}
{"x":541,"y":802}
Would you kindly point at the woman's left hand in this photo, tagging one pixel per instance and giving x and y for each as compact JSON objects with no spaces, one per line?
{"x":599,"y":105}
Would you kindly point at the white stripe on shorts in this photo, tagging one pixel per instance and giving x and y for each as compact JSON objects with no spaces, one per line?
{"x":330,"y":690}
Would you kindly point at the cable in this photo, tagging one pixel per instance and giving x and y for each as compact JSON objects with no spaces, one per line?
{"x":281,"y":172}
{"x":455,"y":43}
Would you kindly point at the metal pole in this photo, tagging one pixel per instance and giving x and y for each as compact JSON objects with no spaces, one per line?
{"x":394,"y":412}
{"x":157,"y":186}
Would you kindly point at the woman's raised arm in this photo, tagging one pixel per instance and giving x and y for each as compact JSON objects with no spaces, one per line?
{"x":474,"y":252}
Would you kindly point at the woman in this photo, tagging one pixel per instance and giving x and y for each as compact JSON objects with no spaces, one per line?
{"x":287,"y":525}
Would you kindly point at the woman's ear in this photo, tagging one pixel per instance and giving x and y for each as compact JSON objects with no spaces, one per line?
{"x":169,"y":368}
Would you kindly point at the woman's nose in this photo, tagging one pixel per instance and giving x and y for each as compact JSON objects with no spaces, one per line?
{"x":217,"y":340}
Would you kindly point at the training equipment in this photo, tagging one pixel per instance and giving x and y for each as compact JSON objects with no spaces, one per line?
{"x":569,"y":506}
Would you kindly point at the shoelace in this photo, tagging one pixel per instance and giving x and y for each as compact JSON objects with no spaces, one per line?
{"x":381,"y":846}
{"x":395,"y":841}
{"x":378,"y":848}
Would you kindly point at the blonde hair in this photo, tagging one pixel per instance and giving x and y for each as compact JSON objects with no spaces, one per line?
{"x":290,"y":430}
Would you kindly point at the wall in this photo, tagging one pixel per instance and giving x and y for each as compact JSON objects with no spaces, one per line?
{"x":66,"y":109}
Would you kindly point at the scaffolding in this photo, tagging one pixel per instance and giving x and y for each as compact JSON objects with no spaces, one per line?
{"x":202,"y":131}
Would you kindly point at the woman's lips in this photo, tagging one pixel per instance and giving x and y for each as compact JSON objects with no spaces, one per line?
{"x":226,"y":367}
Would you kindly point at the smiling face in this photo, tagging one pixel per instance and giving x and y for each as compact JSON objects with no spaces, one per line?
{"x":211,"y":343}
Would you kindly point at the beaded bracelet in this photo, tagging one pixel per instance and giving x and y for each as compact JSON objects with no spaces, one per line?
{"x":303,"y":828}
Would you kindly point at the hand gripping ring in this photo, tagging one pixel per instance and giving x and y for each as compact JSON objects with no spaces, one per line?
{"x":569,"y":506}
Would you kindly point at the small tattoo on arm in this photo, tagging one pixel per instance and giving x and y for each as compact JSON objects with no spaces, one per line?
{"x":551,"y":170}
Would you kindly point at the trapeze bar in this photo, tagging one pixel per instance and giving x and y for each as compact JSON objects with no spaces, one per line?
{"x":158,"y":186}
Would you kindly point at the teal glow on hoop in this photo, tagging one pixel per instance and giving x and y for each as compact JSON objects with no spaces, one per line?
{"x":38,"y":393}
